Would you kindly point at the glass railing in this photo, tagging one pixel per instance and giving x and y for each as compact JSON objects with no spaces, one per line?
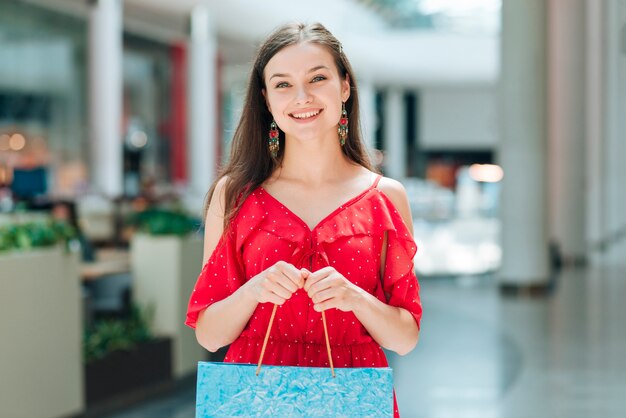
{"x":460,"y":16}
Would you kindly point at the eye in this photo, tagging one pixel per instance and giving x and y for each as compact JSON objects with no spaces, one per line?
{"x":282,"y":84}
{"x":318,"y":78}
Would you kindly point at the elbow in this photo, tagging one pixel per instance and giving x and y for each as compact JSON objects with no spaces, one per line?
{"x":209,"y":337}
{"x":407,"y":346}
{"x":211,"y":348}
{"x":206,"y":343}
{"x":209,"y":344}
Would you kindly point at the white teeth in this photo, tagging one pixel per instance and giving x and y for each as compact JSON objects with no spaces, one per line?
{"x":305,"y":115}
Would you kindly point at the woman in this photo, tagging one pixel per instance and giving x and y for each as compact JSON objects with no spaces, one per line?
{"x":299,"y":219}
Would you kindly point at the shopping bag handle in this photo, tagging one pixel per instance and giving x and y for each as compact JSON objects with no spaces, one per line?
{"x":267,"y":337}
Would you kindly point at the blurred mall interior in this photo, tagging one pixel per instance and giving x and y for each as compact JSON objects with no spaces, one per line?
{"x":504,"y":119}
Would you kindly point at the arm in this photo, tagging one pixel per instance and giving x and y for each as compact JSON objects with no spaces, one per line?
{"x":392,"y":327}
{"x":404,"y":330}
{"x":222,"y":322}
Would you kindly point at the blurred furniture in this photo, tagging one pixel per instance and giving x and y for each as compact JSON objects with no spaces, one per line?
{"x":41,"y":364}
{"x":165,"y":269}
{"x":109,"y":295}
{"x":108,"y":261}
{"x":96,"y":216}
{"x":29,"y":183}
{"x":107,"y":283}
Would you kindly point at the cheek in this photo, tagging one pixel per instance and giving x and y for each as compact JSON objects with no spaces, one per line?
{"x":334,"y":106}
{"x":277,"y":103}
{"x":333,"y":97}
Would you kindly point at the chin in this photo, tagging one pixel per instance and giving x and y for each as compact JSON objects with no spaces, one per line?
{"x":310,"y":135}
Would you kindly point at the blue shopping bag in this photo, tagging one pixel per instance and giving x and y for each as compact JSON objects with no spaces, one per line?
{"x":234,"y":390}
{"x":246,"y":390}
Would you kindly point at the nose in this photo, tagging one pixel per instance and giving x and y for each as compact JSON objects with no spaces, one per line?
{"x":302,"y":95}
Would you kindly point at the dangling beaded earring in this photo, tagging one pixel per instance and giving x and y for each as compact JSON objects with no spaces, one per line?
{"x":274,"y":146}
{"x":343,"y":125}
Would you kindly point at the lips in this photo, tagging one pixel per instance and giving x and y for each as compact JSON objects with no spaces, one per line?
{"x":304,"y":115}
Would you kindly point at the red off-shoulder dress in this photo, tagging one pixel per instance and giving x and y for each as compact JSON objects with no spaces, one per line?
{"x":350,"y":239}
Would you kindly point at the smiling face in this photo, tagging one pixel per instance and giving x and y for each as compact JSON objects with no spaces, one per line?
{"x":304,"y":91}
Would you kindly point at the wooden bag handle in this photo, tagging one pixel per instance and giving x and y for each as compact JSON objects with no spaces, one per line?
{"x":267,"y":337}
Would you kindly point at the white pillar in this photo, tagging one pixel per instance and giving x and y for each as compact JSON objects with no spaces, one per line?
{"x":105,"y":96}
{"x":522,"y":150}
{"x":606,"y":144}
{"x":395,"y":141}
{"x":614,"y":120}
{"x":595,"y":127}
{"x":202,"y":93}
{"x":369,"y":120}
{"x":566,"y":125}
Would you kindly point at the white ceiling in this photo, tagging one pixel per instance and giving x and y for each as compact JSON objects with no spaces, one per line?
{"x":378,"y":54}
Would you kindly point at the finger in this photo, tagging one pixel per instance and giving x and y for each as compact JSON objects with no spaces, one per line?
{"x":323,"y":295}
{"x":316,"y":277}
{"x":278,"y":276}
{"x":287,"y":282}
{"x":293,"y":274}
{"x":327,"y":282}
{"x":274,"y":298}
{"x":279,"y":285}
{"x":323,"y":306}
{"x":305,"y":276}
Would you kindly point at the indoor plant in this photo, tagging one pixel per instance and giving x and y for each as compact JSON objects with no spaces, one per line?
{"x":166,"y":258}
{"x":122,"y":356}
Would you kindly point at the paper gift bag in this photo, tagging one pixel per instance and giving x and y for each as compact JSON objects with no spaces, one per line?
{"x":237,"y":390}
{"x":234,"y":390}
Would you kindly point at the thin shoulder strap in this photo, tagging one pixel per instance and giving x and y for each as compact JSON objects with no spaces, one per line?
{"x":376,"y":180}
{"x":382,"y":275}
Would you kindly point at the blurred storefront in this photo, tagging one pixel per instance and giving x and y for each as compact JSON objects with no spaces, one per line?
{"x":42,"y":99}
{"x":43,"y":103}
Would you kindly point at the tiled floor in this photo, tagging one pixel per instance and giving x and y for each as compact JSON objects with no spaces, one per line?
{"x":485,"y":355}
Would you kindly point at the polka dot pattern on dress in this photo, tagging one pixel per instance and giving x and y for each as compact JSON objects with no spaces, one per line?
{"x":350,"y":239}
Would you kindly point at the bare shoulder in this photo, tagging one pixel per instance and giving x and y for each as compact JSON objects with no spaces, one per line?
{"x":214,"y":218}
{"x":218,"y":199}
{"x":396,"y":192}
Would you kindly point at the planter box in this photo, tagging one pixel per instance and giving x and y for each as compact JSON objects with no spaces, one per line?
{"x":123,"y":372}
{"x":164,"y":271}
{"x":41,"y":334}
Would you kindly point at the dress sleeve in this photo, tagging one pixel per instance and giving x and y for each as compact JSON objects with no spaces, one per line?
{"x":220,"y":277}
{"x":399,"y":279}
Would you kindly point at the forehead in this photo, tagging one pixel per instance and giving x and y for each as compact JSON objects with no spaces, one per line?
{"x":299,"y":58}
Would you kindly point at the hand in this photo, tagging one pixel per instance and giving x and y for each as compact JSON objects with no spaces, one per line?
{"x":327,"y":288}
{"x":275,"y":284}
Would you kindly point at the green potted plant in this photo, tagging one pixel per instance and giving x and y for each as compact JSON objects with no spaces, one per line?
{"x":161,"y":221}
{"x":166,"y":258}
{"x":31,"y":235}
{"x":38,"y":270}
{"x":122,"y":356}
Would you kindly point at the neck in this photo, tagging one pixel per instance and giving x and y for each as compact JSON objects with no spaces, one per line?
{"x":314,"y":162}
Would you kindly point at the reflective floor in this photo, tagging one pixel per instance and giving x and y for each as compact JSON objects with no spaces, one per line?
{"x":486,"y":355}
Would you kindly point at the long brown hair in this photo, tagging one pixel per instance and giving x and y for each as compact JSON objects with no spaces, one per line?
{"x":250,"y":162}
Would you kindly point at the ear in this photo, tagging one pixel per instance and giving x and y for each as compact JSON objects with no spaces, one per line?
{"x":345,"y":88}
{"x":267,"y":103}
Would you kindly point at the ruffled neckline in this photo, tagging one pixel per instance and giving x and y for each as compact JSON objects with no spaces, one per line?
{"x":326,"y":218}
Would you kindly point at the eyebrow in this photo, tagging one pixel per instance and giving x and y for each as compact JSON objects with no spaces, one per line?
{"x":318,"y":67}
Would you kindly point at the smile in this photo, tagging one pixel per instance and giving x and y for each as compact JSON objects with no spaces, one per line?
{"x":305,"y":115}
